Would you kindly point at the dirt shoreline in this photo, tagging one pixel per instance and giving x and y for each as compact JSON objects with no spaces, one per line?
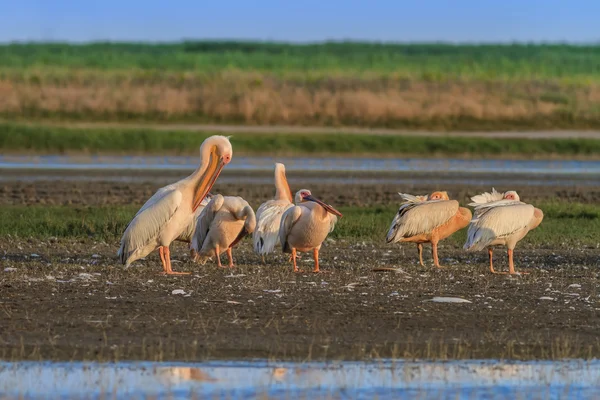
{"x":69,"y":300}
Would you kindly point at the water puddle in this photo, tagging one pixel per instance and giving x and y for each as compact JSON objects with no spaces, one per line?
{"x":108,"y":163}
{"x":270,"y":380}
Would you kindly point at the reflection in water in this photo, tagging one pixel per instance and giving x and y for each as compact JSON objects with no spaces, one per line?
{"x":173,"y":375}
{"x":383,"y":380}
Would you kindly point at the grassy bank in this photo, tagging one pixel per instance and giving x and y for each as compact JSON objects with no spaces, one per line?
{"x":425,"y":60}
{"x":565,"y":224}
{"x":432,"y":87}
{"x":31,"y":139}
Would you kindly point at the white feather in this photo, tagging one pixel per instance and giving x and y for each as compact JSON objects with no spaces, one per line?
{"x":497,"y":220}
{"x":188,"y":233}
{"x":288,"y":219}
{"x":418,"y":217}
{"x":142,"y":233}
{"x":204,"y":221}
{"x":332,"y":221}
{"x":486,"y":197}
{"x":268,"y":217}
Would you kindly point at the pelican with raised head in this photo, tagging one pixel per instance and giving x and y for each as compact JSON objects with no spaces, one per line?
{"x":268,"y":215}
{"x":166,"y":215}
{"x":305,"y":226}
{"x":427,"y":219}
{"x":500,"y":219}
{"x":224,"y":222}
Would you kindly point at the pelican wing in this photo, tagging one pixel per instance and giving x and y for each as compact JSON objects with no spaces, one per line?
{"x":415,"y":218}
{"x":288,"y":220}
{"x":188,"y":233}
{"x":332,"y":221}
{"x":246,"y":214}
{"x":496,"y":222}
{"x":148,"y":222}
{"x":267,"y":226}
{"x":204,"y":221}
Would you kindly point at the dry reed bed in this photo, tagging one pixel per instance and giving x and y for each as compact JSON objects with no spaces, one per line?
{"x":253,"y":98}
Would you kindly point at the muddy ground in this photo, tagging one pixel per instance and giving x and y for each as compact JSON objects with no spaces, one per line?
{"x":69,"y":299}
{"x":89,"y":188}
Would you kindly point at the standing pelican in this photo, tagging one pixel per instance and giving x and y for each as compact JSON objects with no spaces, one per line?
{"x":500,"y":219}
{"x":268,"y":215}
{"x":427,"y":219}
{"x":171,"y":209}
{"x":305,"y":226}
{"x":224,"y":222}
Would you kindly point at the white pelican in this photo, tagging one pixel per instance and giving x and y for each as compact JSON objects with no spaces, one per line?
{"x":224,"y":222}
{"x":500,"y":219}
{"x":305,"y":226}
{"x":427,"y":219}
{"x":268,"y":215}
{"x":171,"y":209}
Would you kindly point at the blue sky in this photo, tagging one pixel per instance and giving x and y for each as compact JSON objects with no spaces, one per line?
{"x":305,"y":20}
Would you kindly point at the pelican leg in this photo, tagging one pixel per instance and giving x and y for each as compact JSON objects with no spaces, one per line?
{"x":217,"y":252}
{"x":420,"y":248}
{"x":316,"y":257}
{"x":511,"y":265}
{"x":490,"y":253}
{"x":230,"y":257}
{"x":263,"y":259}
{"x":161,"y":251}
{"x":167,"y":261}
{"x":294,"y":260}
{"x":434,"y":252}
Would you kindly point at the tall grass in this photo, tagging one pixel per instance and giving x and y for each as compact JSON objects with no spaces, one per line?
{"x":429,"y":61}
{"x":15,"y":138}
{"x":259,"y":98}
{"x":565,"y":224}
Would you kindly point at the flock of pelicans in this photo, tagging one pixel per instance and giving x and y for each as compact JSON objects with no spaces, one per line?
{"x":186,"y":211}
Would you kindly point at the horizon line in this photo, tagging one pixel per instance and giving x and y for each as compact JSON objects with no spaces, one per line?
{"x":302,"y":43}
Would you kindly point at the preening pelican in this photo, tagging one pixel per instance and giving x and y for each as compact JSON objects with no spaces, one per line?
{"x":224,"y":222}
{"x":268,"y":215}
{"x":500,"y":219}
{"x":427,"y":219}
{"x":171,"y":209}
{"x":305,"y":226}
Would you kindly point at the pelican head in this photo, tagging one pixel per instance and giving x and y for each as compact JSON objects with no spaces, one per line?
{"x":511,"y":195}
{"x":304,"y":195}
{"x":215,"y":153}
{"x":439,"y":196}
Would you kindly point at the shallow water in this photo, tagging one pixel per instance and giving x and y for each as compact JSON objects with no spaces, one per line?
{"x":304,"y":164}
{"x":356,"y":380}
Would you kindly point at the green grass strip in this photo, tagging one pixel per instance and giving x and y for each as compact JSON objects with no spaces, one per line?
{"x":565,"y":224}
{"x":45,"y":139}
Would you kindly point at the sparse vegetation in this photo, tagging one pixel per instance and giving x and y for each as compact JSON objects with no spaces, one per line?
{"x":565,"y":223}
{"x":58,"y":140}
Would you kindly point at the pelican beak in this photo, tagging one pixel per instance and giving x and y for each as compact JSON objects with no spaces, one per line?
{"x":327,"y":207}
{"x":208,"y":179}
